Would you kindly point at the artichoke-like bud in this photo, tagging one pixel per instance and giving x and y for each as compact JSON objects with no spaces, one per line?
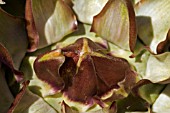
{"x":86,"y":75}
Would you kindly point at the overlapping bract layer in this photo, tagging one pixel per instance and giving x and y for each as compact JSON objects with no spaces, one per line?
{"x":47,"y":25}
{"x":84,"y":73}
{"x":78,"y":72}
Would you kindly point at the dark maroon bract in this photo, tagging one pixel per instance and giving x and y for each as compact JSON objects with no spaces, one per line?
{"x":84,"y":72}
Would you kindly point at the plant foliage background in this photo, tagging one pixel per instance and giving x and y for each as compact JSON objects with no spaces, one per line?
{"x":136,"y":31}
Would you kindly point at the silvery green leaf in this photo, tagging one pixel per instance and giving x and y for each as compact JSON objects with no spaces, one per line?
{"x":116,"y":23}
{"x":87,"y":9}
{"x":157,"y":68}
{"x":161,"y":105}
{"x":31,"y":103}
{"x":150,"y":92}
{"x":153,"y":21}
{"x":48,"y":22}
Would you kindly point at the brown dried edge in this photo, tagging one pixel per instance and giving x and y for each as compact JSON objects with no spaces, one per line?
{"x":132,"y":22}
{"x":33,"y":36}
{"x":18,"y":97}
{"x":6,"y":59}
{"x":132,"y":26}
{"x":164,"y":44}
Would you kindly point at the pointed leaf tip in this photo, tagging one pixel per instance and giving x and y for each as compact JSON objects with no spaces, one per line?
{"x":164,"y":45}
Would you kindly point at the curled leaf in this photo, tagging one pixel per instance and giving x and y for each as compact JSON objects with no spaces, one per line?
{"x":6,"y":59}
{"x":27,"y":102}
{"x":57,"y":20}
{"x":33,"y":36}
{"x":18,"y":97}
{"x":164,"y":45}
{"x":148,"y":91}
{"x":116,"y":23}
{"x":153,"y":28}
{"x":9,"y":38}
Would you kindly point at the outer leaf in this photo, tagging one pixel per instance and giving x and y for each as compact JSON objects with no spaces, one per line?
{"x":15,"y":42}
{"x":57,"y":20}
{"x":6,"y":59}
{"x":161,"y":105}
{"x":18,"y":97}
{"x":140,"y":63}
{"x":157,"y":69}
{"x":132,"y":103}
{"x":153,"y":28}
{"x":30,"y":103}
{"x":6,"y":96}
{"x":116,"y":23}
{"x":10,"y":54}
{"x":164,"y":45}
{"x":150,"y":92}
{"x":55,"y":101}
{"x":87,"y":9}
{"x":33,"y":36}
